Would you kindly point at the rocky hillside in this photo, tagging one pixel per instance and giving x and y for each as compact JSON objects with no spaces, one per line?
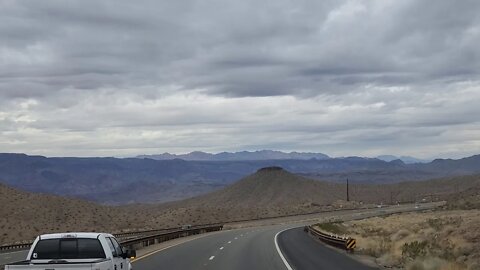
{"x":23,"y":215}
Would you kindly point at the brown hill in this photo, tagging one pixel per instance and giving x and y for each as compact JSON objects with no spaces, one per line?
{"x":468,"y":199}
{"x":23,"y":215}
{"x":275,"y":187}
{"x":275,"y":192}
{"x":267,"y":193}
{"x":272,"y":187}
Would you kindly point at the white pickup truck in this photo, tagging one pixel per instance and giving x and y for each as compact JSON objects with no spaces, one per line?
{"x":79,"y":251}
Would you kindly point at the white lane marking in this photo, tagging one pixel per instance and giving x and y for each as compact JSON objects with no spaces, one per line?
{"x":280,"y":252}
{"x":211,"y":258}
{"x":229,"y":242}
{"x":236,"y":238}
{"x":221,"y":248}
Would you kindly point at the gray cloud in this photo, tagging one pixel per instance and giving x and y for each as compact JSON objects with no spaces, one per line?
{"x":343,"y":77}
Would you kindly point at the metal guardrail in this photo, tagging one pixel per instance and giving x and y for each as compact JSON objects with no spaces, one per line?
{"x":346,"y":243}
{"x":159,"y":238}
{"x":145,"y":238}
{"x":15,"y":247}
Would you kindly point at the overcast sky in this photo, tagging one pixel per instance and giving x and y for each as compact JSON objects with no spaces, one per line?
{"x":121,"y":78}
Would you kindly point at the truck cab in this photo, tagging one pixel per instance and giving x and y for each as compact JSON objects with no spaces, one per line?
{"x":76,"y":251}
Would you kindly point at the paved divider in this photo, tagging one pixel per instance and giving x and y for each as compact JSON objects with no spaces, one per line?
{"x":346,"y":243}
{"x":139,"y":239}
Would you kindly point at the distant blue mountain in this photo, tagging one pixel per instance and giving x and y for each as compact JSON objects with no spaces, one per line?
{"x":405,"y":159}
{"x":133,"y":180}
{"x":236,"y":156}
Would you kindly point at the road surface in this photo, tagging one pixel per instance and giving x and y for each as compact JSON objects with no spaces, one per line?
{"x":11,"y":257}
{"x":253,"y":249}
{"x":303,"y":252}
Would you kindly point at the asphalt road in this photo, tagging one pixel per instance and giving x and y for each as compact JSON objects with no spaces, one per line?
{"x":251,"y":249}
{"x":11,"y":257}
{"x":303,"y":252}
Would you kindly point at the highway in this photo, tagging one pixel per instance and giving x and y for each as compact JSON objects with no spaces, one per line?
{"x":252,"y":248}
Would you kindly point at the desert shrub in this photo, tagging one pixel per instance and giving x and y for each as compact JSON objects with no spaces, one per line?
{"x":414,"y":250}
{"x":401,"y":234}
{"x":447,"y":251}
{"x":435,"y":223}
{"x":379,"y":248}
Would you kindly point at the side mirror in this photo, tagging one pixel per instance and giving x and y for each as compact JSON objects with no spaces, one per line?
{"x":129,"y":254}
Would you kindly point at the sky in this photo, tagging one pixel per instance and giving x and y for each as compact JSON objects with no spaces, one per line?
{"x":123,"y":78}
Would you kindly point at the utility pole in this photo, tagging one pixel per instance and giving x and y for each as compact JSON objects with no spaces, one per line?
{"x":348,"y":195}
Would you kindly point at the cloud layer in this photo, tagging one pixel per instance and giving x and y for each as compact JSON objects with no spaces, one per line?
{"x":342,"y":77}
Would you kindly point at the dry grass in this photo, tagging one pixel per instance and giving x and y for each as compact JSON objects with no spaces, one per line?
{"x":432,"y":240}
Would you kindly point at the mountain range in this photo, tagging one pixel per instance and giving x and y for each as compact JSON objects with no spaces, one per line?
{"x":405,"y":159}
{"x":265,"y":155}
{"x":237,"y":156}
{"x":134,"y":180}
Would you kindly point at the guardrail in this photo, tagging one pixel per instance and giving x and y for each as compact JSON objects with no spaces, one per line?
{"x":346,"y":243}
{"x":145,"y":238}
{"x":159,"y":238}
{"x":15,"y":247}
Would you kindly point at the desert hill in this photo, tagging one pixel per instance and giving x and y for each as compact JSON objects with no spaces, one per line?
{"x":465,"y":200}
{"x":272,"y":186}
{"x":269,"y":192}
{"x":23,"y":215}
{"x":273,"y":191}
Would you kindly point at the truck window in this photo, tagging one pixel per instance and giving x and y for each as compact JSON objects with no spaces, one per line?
{"x":116,"y":246}
{"x":92,"y":248}
{"x":46,"y":249}
{"x":68,"y":248}
{"x":112,"y":248}
{"x":75,"y":248}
